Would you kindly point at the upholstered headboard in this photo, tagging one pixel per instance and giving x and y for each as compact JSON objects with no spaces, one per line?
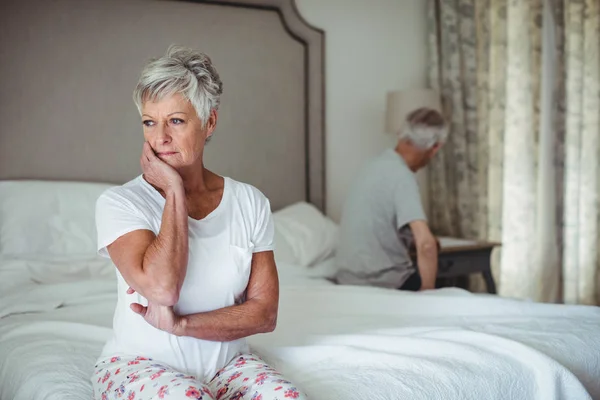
{"x":68,"y":68}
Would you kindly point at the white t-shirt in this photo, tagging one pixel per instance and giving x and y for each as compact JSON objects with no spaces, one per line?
{"x":220,"y":254}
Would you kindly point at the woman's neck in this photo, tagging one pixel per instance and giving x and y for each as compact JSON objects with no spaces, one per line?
{"x":194,"y":177}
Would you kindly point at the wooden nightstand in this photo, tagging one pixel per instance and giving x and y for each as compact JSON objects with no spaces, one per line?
{"x":459,"y":258}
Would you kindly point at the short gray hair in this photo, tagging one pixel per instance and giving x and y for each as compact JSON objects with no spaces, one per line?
{"x":424,"y":128}
{"x":181,"y":70}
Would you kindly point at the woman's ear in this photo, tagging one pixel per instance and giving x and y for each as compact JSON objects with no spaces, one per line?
{"x":211,"y":124}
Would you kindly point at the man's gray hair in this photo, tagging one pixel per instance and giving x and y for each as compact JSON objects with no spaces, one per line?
{"x":184,"y":71}
{"x":424,"y":128}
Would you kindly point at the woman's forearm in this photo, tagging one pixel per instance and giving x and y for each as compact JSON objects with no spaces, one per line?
{"x":229,"y":323}
{"x":165,"y":260}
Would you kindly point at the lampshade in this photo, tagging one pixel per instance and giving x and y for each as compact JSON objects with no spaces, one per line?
{"x":401,"y":103}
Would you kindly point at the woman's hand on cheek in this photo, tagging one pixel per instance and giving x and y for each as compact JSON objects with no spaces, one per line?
{"x":157,"y":172}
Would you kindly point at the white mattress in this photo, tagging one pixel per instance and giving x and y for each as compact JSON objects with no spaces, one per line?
{"x":335,"y":342}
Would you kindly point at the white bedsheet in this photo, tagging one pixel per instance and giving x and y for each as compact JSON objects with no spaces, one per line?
{"x":335,"y":342}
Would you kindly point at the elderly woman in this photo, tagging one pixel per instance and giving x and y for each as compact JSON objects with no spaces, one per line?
{"x":194,"y":253}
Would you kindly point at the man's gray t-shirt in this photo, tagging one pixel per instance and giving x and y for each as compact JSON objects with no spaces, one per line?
{"x":374,"y":232}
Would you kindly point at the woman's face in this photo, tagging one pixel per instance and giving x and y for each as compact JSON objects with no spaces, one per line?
{"x":174,"y":131}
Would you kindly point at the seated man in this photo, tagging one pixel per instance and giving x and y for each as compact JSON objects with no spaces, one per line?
{"x":383,"y":216}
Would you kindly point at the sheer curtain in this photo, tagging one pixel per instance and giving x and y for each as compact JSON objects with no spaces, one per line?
{"x":520,"y":81}
{"x":577,"y":124}
{"x":549,"y":186}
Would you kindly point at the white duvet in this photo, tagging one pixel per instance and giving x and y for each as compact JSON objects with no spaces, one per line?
{"x":335,"y":342}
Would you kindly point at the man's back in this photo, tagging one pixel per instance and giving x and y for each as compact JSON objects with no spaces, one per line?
{"x":374,"y":232}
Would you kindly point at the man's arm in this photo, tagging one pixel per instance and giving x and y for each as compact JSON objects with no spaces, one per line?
{"x":427,"y":253}
{"x":258,"y":314}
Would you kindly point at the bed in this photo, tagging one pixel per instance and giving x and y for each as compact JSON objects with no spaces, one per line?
{"x":70,"y":130}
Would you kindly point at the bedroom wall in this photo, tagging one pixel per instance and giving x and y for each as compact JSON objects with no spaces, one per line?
{"x":372,"y":46}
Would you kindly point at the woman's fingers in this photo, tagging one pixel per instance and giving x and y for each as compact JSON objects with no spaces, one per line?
{"x":149,"y":152}
{"x":148,"y":157}
{"x":144,"y":159}
{"x":138,"y":309}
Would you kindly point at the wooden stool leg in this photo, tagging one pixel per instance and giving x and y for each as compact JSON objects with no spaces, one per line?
{"x":489,"y":281}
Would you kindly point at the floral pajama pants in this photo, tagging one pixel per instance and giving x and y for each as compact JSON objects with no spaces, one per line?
{"x":246,"y":377}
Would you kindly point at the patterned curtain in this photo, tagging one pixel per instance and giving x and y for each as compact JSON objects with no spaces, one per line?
{"x":577,"y":117}
{"x":488,"y":183}
{"x":458,"y":196}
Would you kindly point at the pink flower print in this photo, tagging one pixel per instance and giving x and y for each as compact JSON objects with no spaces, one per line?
{"x":120,"y":390}
{"x":117,"y":371}
{"x":133,"y":377}
{"x":291,"y":393}
{"x":104,"y":396}
{"x":115,"y":359}
{"x":261,"y":378}
{"x":131,"y":395}
{"x":278,"y":388}
{"x":193,"y":393}
{"x":106,"y":376}
{"x":134,"y":362}
{"x":142,"y":359}
{"x":234,"y":376}
{"x":256,"y":396}
{"x":245,"y":379}
{"x":222,"y":392}
{"x":240,"y":393}
{"x":142,"y":388}
{"x":240,"y":362}
{"x":110,"y":385}
{"x":157,"y":374}
{"x":163,"y":391}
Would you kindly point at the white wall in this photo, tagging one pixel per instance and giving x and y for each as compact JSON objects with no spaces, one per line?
{"x":372,"y":46}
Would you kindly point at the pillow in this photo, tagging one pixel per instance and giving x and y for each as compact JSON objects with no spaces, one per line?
{"x":284,"y":252}
{"x":292,"y":275}
{"x":57,"y":269}
{"x":303,"y":235}
{"x":48,"y":217}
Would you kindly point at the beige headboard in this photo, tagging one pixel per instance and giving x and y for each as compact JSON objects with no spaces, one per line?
{"x":68,"y":68}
